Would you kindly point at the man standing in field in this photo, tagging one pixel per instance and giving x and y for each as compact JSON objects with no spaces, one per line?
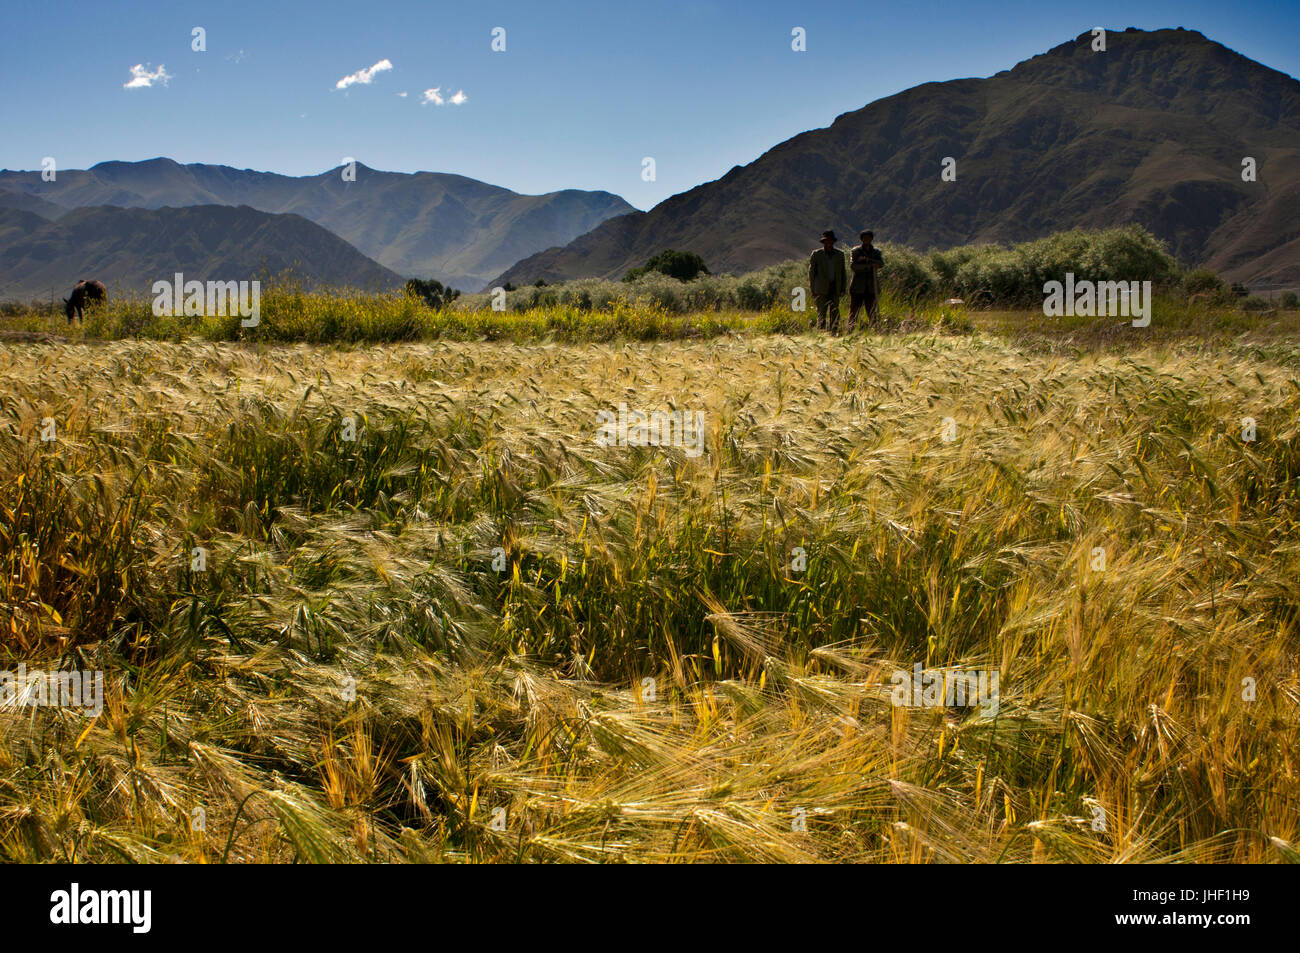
{"x":865,"y":261}
{"x":827,"y":279}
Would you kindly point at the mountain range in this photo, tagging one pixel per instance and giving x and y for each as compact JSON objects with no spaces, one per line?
{"x":1154,"y":131}
{"x":424,"y":224}
{"x":130,"y":248}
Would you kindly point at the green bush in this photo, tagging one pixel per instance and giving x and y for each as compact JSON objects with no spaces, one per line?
{"x":1203,"y":281}
{"x":433,"y":293}
{"x":911,"y":276}
{"x":998,"y":276}
{"x":682,"y":265}
{"x":944,"y":265}
{"x":1014,"y":277}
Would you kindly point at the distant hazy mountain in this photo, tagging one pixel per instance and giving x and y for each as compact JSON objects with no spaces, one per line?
{"x":130,"y":248}
{"x":429,"y":225}
{"x":1151,"y":131}
{"x":31,"y":203}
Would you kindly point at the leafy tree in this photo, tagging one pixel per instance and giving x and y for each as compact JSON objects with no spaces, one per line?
{"x":433,"y":293}
{"x":682,"y":265}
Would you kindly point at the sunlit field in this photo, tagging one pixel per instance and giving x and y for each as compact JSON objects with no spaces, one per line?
{"x":434,"y":619}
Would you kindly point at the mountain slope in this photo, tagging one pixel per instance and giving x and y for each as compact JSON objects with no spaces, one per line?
{"x":31,"y":203}
{"x":1152,"y":131}
{"x":432,"y":225}
{"x":130,"y":248}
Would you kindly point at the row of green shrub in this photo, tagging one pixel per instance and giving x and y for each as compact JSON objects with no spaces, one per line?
{"x":993,"y":275}
{"x":757,"y":291}
{"x":1015,"y":276}
{"x":656,"y":305}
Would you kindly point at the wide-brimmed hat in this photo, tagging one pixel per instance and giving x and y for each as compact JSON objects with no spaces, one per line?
{"x":829,"y":234}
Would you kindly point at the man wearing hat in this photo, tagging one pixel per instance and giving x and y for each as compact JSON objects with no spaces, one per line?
{"x":827,"y":279}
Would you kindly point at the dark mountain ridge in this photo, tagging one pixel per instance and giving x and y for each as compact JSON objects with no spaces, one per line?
{"x":1152,"y":131}
{"x":130,"y":248}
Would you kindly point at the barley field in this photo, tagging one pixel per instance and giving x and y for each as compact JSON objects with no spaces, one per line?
{"x":435,"y":621}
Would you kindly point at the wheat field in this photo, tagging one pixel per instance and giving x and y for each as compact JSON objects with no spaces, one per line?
{"x":436,"y":621}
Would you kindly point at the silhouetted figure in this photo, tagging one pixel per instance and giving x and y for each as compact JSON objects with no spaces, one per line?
{"x":865,"y":261}
{"x":83,"y":294}
{"x":827,"y":279}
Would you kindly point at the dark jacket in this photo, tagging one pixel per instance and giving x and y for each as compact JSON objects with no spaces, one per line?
{"x":826,"y":273}
{"x":865,"y":262}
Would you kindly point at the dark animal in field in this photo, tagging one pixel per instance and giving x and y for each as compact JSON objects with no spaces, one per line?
{"x":83,"y":294}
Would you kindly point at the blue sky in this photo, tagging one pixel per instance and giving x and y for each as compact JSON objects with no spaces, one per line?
{"x":581,"y":94}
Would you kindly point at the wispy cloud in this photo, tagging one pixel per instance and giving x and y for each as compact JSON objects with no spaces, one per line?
{"x":402,"y":94}
{"x":141,"y":78}
{"x":434,"y":96}
{"x":363,"y":75}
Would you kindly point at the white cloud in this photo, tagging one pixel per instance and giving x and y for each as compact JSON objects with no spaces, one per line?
{"x":141,"y":78}
{"x":364,"y":75}
{"x":435,"y":97}
{"x":402,"y":95}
